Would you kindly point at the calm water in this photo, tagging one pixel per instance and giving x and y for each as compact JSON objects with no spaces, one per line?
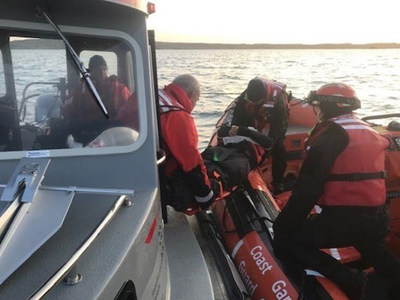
{"x":223,"y":74}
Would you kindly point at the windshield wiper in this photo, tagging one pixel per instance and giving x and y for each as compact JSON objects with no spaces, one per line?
{"x":77,"y":60}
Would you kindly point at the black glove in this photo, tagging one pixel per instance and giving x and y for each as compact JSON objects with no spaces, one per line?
{"x":223,"y":131}
{"x":216,"y":187}
{"x":205,"y":205}
{"x":214,"y":172}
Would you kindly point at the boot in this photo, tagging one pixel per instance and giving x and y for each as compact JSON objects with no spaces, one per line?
{"x":394,"y":293}
{"x":353,"y":282}
{"x":278,"y":188}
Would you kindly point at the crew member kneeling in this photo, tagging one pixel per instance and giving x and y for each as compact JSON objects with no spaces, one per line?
{"x":343,"y":172}
{"x":242,"y":144}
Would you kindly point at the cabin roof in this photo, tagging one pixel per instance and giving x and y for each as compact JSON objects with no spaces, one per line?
{"x":27,"y":11}
{"x":137,"y":4}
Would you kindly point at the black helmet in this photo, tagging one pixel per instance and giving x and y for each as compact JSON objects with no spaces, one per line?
{"x":97,"y":61}
{"x":256,"y":90}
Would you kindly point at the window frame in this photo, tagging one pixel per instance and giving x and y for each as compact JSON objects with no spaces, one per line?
{"x":139,"y":89}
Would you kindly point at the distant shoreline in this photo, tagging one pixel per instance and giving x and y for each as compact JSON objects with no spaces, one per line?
{"x":56,"y":44}
{"x":211,"y":46}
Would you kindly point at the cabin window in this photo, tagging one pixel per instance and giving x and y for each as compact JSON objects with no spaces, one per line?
{"x":57,"y":109}
{"x":38,"y":66}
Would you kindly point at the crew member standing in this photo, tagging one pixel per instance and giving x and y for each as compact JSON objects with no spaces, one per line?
{"x":187,"y":180}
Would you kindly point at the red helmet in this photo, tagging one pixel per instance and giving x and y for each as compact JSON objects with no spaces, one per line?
{"x":339,"y":93}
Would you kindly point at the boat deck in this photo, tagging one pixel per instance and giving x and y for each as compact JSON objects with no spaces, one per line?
{"x":189,"y":274}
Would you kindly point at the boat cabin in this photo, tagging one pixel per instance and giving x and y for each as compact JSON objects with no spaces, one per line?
{"x":80,"y":211}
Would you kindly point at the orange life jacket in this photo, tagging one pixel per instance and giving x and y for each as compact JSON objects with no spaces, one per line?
{"x":168,"y":103}
{"x":261,"y":112}
{"x":357,"y":176}
{"x":274,"y":89}
{"x":82,"y":105}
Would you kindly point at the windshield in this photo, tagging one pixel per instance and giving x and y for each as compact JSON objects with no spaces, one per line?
{"x":49,"y":105}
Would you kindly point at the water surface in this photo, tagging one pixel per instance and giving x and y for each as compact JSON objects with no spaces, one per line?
{"x":223,"y":74}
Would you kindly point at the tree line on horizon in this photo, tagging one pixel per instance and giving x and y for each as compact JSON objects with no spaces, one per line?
{"x":172,"y":45}
{"x":56,"y":44}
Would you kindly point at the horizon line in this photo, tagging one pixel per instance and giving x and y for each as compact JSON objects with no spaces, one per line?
{"x":205,"y":45}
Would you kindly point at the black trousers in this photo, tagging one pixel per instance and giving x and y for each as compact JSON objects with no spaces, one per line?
{"x":365,"y":229}
{"x":278,"y":153}
{"x":178,"y":193}
{"x":233,"y":161}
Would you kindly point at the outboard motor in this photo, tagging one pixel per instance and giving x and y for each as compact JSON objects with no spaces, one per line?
{"x":47,"y":106}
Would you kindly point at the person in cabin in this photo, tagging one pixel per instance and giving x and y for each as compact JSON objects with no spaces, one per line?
{"x":85,"y":119}
{"x":263,"y":102}
{"x":128,"y":114}
{"x":343,"y":173}
{"x":186,"y":176}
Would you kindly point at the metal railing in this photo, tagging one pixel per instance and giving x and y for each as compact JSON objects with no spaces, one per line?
{"x":63,"y":271}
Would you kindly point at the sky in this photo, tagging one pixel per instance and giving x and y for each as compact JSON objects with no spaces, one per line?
{"x":276,"y":22}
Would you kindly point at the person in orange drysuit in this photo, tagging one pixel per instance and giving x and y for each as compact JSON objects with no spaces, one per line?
{"x":187,"y":180}
{"x":85,"y":120}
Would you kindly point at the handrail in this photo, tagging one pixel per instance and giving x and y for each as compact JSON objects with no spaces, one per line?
{"x":87,"y":190}
{"x":7,"y":214}
{"x":381,"y":116}
{"x":162,"y":158}
{"x":24,"y":98}
{"x":59,"y":275}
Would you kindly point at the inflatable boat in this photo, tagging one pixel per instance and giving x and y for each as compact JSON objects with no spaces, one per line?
{"x":242,"y":220}
{"x":81,"y":210}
